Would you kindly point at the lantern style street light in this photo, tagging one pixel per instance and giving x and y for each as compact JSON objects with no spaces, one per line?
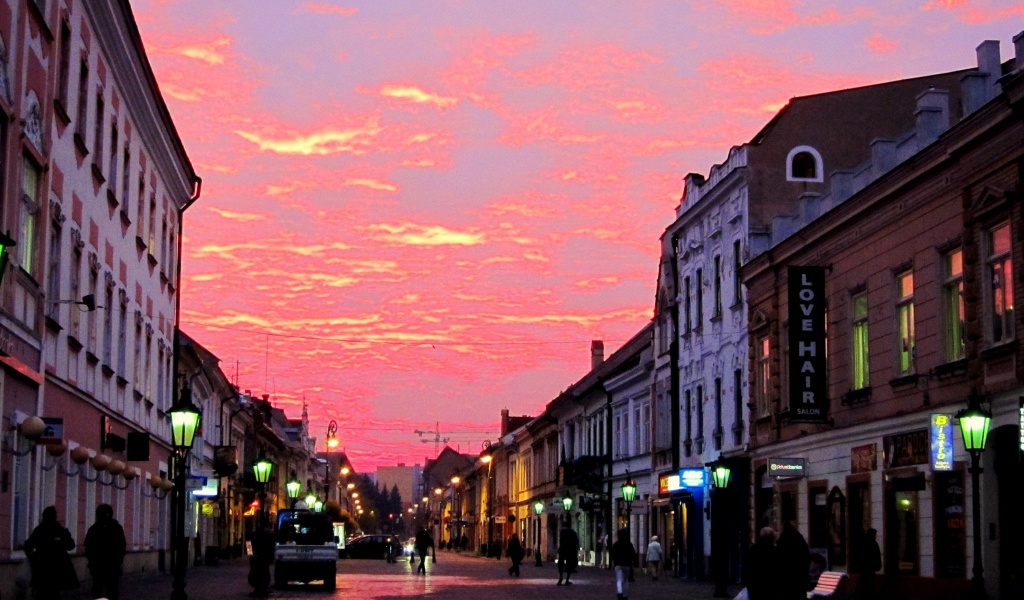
{"x":567,"y":502}
{"x":538,"y":509}
{"x":974,"y":424}
{"x":720,"y":475}
{"x":293,"y":487}
{"x":310,"y":501}
{"x":628,"y":495}
{"x":185,"y":418}
{"x":487,"y":459}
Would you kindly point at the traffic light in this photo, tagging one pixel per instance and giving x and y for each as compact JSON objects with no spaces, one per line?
{"x":5,"y":243}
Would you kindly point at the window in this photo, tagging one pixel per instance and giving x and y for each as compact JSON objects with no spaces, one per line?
{"x":688,"y":409}
{"x":700,"y":412}
{"x":645,"y":431}
{"x":905,"y":321}
{"x":122,"y":336}
{"x":65,"y":65}
{"x":30,"y":184}
{"x":718,"y":413}
{"x":126,"y":179}
{"x":152,"y":225}
{"x":637,"y":436}
{"x":718,"y":286}
{"x":53,"y":271}
{"x":804,"y":164}
{"x":737,"y":283}
{"x":94,"y":289}
{"x":98,"y":128}
{"x":737,"y":424}
{"x":953,"y":306}
{"x":617,"y":435}
{"x":861,"y":370}
{"x":1000,"y":284}
{"x":112,"y":173}
{"x":140,"y":218}
{"x":83,"y":98}
{"x":763,"y":375}
{"x":700,"y":300}
{"x":108,"y":328}
{"x":147,"y":369}
{"x":686,"y":305}
{"x":75,"y":290}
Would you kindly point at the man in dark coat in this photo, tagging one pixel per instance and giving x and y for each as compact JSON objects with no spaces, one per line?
{"x":515,"y":552}
{"x":105,"y":548}
{"x":424,"y":543}
{"x":794,"y":564}
{"x":761,"y":568}
{"x":47,"y":550}
{"x":568,"y":554}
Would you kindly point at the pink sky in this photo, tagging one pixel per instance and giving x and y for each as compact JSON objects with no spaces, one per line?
{"x":415,"y":214}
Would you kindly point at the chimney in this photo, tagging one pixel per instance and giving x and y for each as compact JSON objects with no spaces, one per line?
{"x":1018,"y":51}
{"x":504,"y":421}
{"x":841,"y":186}
{"x":596,"y":354}
{"x":932,"y":115}
{"x":883,"y":157}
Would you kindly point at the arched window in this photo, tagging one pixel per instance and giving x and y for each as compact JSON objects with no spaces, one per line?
{"x":804,"y":164}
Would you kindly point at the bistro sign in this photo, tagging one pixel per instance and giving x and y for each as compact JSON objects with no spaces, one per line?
{"x":808,"y":400}
{"x":942,"y":442}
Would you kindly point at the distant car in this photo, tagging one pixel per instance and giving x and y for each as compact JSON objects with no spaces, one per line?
{"x":371,"y":546}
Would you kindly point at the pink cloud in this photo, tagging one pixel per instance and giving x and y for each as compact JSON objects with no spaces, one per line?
{"x":320,"y":8}
{"x":881,"y":45}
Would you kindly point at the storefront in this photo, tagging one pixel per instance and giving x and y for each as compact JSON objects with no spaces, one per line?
{"x":677,"y":520}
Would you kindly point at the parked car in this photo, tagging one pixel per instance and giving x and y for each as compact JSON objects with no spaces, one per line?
{"x":373,"y":546}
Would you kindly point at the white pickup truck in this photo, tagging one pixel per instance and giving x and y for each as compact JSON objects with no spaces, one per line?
{"x":306,"y":549}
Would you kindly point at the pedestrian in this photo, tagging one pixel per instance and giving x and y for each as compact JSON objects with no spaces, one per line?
{"x":424,"y":543}
{"x":105,"y":548}
{"x":47,"y":550}
{"x":515,"y":552}
{"x":870,"y":563}
{"x":654,"y":557}
{"x":794,"y":564}
{"x":568,"y":554}
{"x":761,"y":566}
{"x":260,"y":561}
{"x":602,"y":551}
{"x":464,"y":542}
{"x":623,"y":556}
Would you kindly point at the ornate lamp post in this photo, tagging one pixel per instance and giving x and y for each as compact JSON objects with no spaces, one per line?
{"x":261,"y":469}
{"x":628,"y":495}
{"x":538,"y":509}
{"x":185,"y":418}
{"x":974,"y":425}
{"x":720,"y":474}
{"x":486,"y":459}
{"x":293,"y":487}
{"x":259,"y":563}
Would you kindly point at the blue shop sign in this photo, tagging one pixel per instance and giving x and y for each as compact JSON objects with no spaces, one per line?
{"x":942,"y":442}
{"x":693,"y":478}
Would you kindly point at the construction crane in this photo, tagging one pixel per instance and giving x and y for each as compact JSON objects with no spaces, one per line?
{"x":439,"y":437}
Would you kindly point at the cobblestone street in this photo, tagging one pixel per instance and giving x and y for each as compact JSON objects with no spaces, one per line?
{"x":455,"y":576}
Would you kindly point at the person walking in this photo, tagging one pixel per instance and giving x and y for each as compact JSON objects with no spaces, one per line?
{"x":105,"y":548}
{"x":654,"y":557}
{"x":47,"y":551}
{"x":424,"y":543}
{"x":623,"y":557}
{"x":794,"y":558}
{"x":761,"y":566}
{"x":568,"y":554}
{"x":516,"y":553}
{"x":870,"y":563}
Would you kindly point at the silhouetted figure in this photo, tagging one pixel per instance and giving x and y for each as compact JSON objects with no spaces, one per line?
{"x":794,"y":564}
{"x":424,"y":543}
{"x":870,"y":563}
{"x":568,"y":554}
{"x":260,"y":561}
{"x":464,"y":542}
{"x":105,"y":547}
{"x":516,"y":553}
{"x":623,"y":557}
{"x":47,"y":550}
{"x":761,"y":569}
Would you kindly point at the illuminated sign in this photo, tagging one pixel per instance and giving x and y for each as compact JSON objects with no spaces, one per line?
{"x":808,"y":387}
{"x":692,"y":478}
{"x":668,"y":484}
{"x":786,"y":467}
{"x":942,"y":442}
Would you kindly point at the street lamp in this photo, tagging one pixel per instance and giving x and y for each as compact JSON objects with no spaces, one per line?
{"x":454,"y":516}
{"x":261,"y":469}
{"x":185,"y":419}
{"x":538,"y":509}
{"x":486,"y":459}
{"x":293,"y":487}
{"x":628,"y":495}
{"x":720,"y":475}
{"x":974,"y":425}
{"x":310,"y":500}
{"x":567,"y":502}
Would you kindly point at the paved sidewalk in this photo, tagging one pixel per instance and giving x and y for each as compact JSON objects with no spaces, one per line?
{"x":453,"y":577}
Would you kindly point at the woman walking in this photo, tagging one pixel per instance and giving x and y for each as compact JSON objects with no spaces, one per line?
{"x":623,"y":556}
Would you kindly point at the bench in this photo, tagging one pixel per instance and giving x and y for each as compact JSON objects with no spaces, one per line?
{"x":827,"y":585}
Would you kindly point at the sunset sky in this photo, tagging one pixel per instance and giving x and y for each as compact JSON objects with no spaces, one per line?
{"x":418,"y":213}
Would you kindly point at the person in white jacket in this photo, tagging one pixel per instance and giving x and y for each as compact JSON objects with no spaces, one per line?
{"x":654,"y":557}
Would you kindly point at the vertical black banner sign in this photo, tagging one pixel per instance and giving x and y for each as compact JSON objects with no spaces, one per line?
{"x":808,"y":389}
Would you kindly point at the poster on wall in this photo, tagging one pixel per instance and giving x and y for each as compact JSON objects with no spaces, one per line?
{"x":808,"y":389}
